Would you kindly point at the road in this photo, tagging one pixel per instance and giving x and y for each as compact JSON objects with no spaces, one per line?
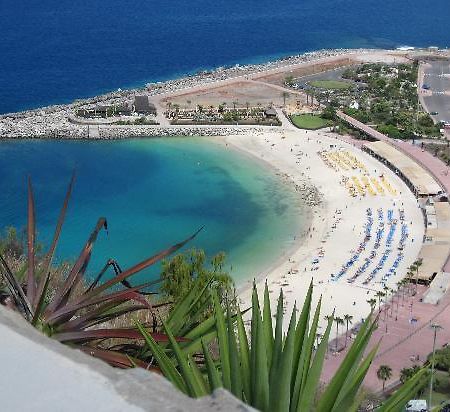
{"x":436,"y":76}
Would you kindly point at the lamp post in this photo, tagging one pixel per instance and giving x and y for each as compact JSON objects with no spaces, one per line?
{"x":435,"y":327}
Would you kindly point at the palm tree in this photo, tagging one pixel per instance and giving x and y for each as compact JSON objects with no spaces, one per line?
{"x":400,"y":285}
{"x":379,"y":295}
{"x":418,"y":264}
{"x":407,"y":373}
{"x":404,"y":282}
{"x":339,"y":321}
{"x":285,"y":95}
{"x":348,"y":320}
{"x":410,"y":278}
{"x":393,"y":295}
{"x":372,"y":302}
{"x":415,"y":268}
{"x":386,"y":295}
{"x":384,"y":373}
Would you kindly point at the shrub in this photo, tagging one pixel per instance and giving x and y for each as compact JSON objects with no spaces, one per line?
{"x":272,"y":371}
{"x":441,"y":359}
{"x":68,"y":315}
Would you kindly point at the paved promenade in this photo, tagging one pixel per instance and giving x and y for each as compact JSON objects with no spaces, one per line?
{"x":404,"y":334}
{"x":435,"y":166}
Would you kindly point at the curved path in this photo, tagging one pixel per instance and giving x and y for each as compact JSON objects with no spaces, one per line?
{"x":435,"y":166}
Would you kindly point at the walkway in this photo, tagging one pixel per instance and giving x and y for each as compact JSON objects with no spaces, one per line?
{"x":405,"y":343}
{"x":437,"y":168}
{"x":93,"y":131}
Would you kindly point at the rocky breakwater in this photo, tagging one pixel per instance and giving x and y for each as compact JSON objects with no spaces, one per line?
{"x":45,"y":123}
{"x":123,"y":132}
{"x":225,"y":73}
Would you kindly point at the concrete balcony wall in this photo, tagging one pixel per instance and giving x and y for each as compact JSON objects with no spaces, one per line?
{"x":40,"y":374}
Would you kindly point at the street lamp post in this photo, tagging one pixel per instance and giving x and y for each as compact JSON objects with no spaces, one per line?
{"x":435,"y":327}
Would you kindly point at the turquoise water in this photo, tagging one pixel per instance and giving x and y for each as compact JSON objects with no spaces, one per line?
{"x":154,"y":192}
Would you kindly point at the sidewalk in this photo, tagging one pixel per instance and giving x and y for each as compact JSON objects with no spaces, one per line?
{"x":406,"y":343}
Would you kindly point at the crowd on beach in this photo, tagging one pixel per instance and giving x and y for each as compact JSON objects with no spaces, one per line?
{"x":363,"y":244}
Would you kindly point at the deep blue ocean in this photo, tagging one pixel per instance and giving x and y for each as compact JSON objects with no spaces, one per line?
{"x":54,"y":51}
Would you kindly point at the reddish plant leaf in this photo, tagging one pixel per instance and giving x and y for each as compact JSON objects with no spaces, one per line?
{"x":116,"y":359}
{"x":49,"y":257}
{"x":40,"y":301}
{"x":95,"y":334}
{"x":137,"y":268}
{"x":70,"y":309}
{"x":17,"y":293}
{"x":100,"y":315}
{"x":117,"y":270}
{"x":96,"y":320}
{"x":109,"y":263}
{"x":77,"y":269}
{"x":31,"y":229}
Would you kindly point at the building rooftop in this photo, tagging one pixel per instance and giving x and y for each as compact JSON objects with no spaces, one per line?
{"x":143,"y":105}
{"x":423,"y":182}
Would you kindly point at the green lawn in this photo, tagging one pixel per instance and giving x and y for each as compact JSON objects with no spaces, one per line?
{"x":441,"y":390}
{"x":330,"y":84}
{"x":438,"y":397}
{"x":309,"y":121}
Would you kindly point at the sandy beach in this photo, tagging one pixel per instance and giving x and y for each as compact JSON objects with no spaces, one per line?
{"x":382,"y":229}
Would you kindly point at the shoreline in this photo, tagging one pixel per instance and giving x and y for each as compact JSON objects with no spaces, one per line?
{"x":308,"y":215}
{"x":54,"y":121}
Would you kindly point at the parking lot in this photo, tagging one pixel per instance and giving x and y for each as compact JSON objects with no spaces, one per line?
{"x":436,"y":89}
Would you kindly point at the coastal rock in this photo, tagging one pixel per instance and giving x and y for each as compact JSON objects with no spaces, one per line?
{"x":53,"y":121}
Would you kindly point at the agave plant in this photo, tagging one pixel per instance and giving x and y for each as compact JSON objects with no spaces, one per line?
{"x":272,"y":372}
{"x":77,"y":318}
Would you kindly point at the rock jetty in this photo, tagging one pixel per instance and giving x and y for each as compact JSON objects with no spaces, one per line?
{"x":54,"y":121}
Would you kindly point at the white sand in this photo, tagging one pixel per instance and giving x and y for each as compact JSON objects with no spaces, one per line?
{"x":338,"y":234}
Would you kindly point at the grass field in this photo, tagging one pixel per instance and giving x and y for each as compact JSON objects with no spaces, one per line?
{"x":441,"y":392}
{"x":309,"y":121}
{"x":330,"y":84}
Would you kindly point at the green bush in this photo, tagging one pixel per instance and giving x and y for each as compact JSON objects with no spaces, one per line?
{"x":442,"y":359}
{"x":273,"y":369}
{"x":183,"y":270}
